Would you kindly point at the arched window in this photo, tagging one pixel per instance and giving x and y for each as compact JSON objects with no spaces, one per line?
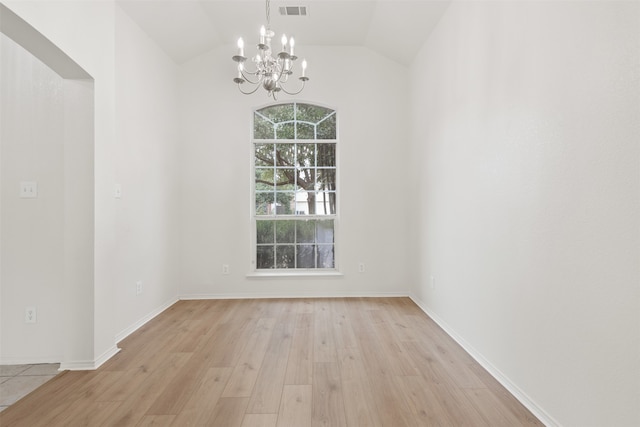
{"x":295,"y":191}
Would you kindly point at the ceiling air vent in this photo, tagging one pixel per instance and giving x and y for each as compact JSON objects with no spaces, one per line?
{"x":293,"y":10}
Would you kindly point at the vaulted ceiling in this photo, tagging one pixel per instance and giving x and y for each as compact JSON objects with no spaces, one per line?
{"x":185,"y":29}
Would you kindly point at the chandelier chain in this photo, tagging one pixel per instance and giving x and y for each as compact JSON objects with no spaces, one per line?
{"x":268,"y":13}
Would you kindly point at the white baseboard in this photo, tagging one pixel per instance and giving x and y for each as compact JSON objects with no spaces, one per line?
{"x":105,"y":356}
{"x":137,"y":325}
{"x":89,"y":365}
{"x":78,"y":365}
{"x":293,"y":296}
{"x":521,"y":396}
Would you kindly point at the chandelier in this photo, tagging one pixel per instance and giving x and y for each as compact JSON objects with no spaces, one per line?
{"x":269,"y":71}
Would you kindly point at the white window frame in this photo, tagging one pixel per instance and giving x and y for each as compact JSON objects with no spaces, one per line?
{"x":293,"y":272}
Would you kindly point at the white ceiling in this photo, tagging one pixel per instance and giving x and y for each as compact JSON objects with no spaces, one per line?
{"x":185,"y":29}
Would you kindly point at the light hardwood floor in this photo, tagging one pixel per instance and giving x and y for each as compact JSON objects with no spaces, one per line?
{"x":279,"y":362}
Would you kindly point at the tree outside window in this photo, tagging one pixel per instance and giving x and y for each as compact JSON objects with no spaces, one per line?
{"x":295,"y":186}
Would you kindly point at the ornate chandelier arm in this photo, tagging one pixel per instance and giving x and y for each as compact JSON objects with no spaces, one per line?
{"x":303,"y":79}
{"x":282,"y":70}
{"x":278,"y":75}
{"x":250,"y":92}
{"x":284,"y":79}
{"x":243,"y":75}
{"x":246,"y":77}
{"x":254,"y":72}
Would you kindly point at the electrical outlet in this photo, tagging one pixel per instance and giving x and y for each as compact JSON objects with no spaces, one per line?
{"x":28,"y":190}
{"x":30,"y":315}
{"x":138,"y":287}
{"x":361,"y":267}
{"x":225,"y":269}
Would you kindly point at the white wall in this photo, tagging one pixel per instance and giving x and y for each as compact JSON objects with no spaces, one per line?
{"x":525,"y":139}
{"x":79,"y":241}
{"x":85,"y":31}
{"x":370,"y":94}
{"x":134,"y":136}
{"x":32,"y":254}
{"x":146,"y":169}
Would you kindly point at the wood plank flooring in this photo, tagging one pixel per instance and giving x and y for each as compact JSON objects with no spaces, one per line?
{"x":279,"y":362}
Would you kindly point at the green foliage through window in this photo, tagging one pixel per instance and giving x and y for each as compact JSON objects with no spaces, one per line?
{"x":295,"y":186}
{"x":294,"y":121}
{"x":296,"y":243}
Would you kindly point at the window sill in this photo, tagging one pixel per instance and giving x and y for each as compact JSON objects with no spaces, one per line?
{"x":278,"y":274}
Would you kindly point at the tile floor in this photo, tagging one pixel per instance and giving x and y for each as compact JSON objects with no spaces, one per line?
{"x":16,"y":381}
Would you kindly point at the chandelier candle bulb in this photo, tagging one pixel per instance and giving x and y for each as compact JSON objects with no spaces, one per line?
{"x":263,"y":32}
{"x":291,"y":44}
{"x":304,"y":67}
{"x":240,"y":47}
{"x":284,"y":43}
